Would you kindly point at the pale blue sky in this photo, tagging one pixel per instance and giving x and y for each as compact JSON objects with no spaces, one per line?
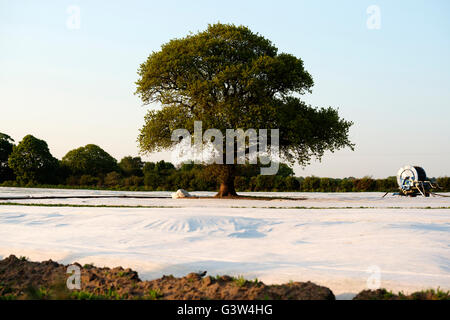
{"x":74,"y":87}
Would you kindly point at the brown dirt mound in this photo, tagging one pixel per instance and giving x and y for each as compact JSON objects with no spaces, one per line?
{"x":22,"y":279}
{"x":383,"y":294}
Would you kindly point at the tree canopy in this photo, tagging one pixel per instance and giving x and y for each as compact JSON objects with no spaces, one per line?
{"x":32,"y":161}
{"x":229,"y":77}
{"x":91,"y":160}
{"x":6,"y":147}
{"x":131,"y":166}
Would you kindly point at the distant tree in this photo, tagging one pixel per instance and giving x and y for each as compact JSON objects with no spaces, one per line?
{"x":88,"y":180}
{"x":152,"y":179}
{"x":6,"y":148}
{"x":248,"y":170}
{"x":241,"y":183}
{"x":149,"y":167}
{"x":444,"y":183}
{"x":164,"y":168}
{"x":346,"y":185}
{"x":91,"y":160}
{"x":365,"y":184}
{"x":285,"y":171}
{"x":279,"y":184}
{"x":73,"y":181}
{"x":292,"y":184}
{"x":131,"y":166}
{"x":310,"y":184}
{"x":113,"y":179}
{"x":264,"y":183}
{"x":32,"y":161}
{"x":388,"y":184}
{"x":229,"y":77}
{"x":133,"y":181}
{"x":325,"y":185}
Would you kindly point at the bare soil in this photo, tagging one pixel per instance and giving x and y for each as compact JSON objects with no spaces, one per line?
{"x":22,"y":279}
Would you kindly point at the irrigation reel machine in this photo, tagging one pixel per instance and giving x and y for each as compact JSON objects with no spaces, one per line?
{"x":412,"y":181}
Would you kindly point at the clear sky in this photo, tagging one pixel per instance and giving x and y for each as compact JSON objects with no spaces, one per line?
{"x":72,"y":87}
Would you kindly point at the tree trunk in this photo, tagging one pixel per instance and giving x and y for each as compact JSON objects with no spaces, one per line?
{"x":226,"y":177}
{"x":226,"y":190}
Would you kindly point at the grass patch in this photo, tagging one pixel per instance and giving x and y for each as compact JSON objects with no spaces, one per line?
{"x":8,"y":297}
{"x":154,"y":294}
{"x":240,"y":281}
{"x":38,"y":293}
{"x":84,"y":295}
{"x":431,"y":294}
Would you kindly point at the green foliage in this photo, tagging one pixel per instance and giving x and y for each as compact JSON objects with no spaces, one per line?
{"x":229,"y":77}
{"x":84,"y":295}
{"x":133,"y":181}
{"x":264,"y":182}
{"x":157,"y":176}
{"x":444,"y":183}
{"x":89,"y":160}
{"x":6,"y":148}
{"x":131,"y":166}
{"x":198,"y":178}
{"x":88,"y":180}
{"x":428,"y":294}
{"x":241,"y":183}
{"x":292,"y":184}
{"x":5,"y":289}
{"x":38,"y":293}
{"x":240,"y":281}
{"x":110,"y":295}
{"x":8,"y":297}
{"x":32,"y":161}
{"x":284,"y":170}
{"x":113,"y":294}
{"x":365,"y":184}
{"x":155,"y":294}
{"x":431,"y":294}
{"x":225,"y":70}
{"x":112,"y":179}
{"x":37,"y":168}
{"x":388,"y":295}
{"x":164,"y":168}
{"x":307,"y":132}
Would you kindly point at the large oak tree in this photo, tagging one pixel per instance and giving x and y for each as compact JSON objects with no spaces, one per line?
{"x":229,"y":77}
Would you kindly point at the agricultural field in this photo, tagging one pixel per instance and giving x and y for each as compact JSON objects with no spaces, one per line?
{"x":342,"y":241}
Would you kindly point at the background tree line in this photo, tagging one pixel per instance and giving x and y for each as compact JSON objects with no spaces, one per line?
{"x":30,"y":164}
